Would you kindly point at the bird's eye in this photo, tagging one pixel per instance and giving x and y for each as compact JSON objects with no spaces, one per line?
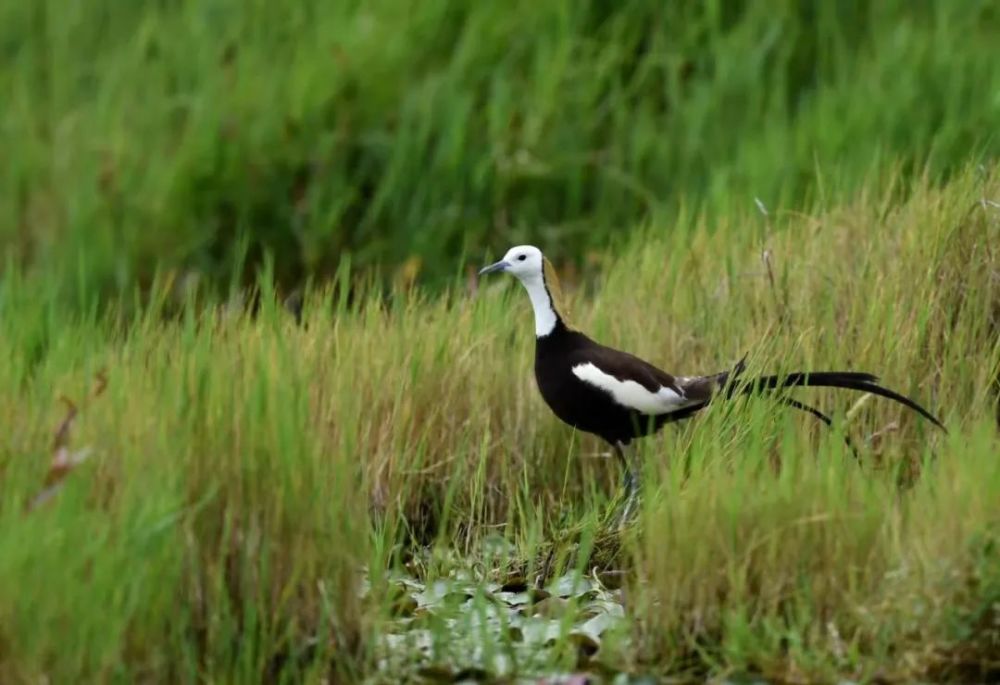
{"x":521,"y":258}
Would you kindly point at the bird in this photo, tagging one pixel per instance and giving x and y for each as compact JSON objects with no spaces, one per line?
{"x":619,"y":397}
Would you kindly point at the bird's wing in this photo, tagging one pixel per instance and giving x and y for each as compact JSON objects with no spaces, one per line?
{"x":631,"y":382}
{"x":701,"y":388}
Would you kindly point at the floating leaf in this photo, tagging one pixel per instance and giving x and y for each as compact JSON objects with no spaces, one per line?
{"x":514,"y":599}
{"x":440,"y":590}
{"x":595,"y":626}
{"x":500,"y":632}
{"x":570,"y":585}
{"x":540,"y":632}
{"x":603,"y":606}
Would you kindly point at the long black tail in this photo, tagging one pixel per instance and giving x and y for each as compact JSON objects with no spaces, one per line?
{"x":851,"y":380}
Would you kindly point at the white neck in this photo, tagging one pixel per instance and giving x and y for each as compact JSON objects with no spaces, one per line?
{"x":545,"y":313}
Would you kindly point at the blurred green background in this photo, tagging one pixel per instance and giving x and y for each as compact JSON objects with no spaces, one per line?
{"x":416,"y":137}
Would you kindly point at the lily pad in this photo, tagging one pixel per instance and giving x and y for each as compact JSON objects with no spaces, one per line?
{"x":441,"y":591}
{"x":594,"y":627}
{"x":541,"y":632}
{"x":570,"y":585}
{"x":468,"y":625}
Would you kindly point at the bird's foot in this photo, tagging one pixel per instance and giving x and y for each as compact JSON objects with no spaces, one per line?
{"x":631,"y":499}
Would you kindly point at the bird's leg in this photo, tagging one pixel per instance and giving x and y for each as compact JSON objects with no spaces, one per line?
{"x":626,"y":455}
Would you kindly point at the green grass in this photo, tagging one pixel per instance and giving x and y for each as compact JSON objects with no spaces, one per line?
{"x":249,"y":477}
{"x":191,"y":135}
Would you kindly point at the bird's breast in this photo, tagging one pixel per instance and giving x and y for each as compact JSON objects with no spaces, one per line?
{"x":574,"y":401}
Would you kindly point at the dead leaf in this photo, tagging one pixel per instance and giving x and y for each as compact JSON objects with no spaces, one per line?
{"x":63,"y":459}
{"x":61,"y":437}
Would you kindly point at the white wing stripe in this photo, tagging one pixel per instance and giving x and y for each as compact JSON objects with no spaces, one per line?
{"x":629,"y":393}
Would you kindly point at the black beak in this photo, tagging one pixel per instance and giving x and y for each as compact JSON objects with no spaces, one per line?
{"x":499,"y":266}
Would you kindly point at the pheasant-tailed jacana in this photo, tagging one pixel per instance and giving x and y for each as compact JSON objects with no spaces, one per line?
{"x":620,"y":397}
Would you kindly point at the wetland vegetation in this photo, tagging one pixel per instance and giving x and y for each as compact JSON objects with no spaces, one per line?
{"x":203,"y":480}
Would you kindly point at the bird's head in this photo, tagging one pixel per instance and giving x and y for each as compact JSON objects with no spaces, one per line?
{"x":537,"y":275}
{"x":524,"y":262}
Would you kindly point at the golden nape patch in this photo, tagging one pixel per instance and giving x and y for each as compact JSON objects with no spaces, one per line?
{"x":555,"y":289}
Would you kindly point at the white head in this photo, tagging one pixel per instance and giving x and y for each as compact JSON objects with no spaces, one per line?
{"x":524,"y":262}
{"x":528,"y":265}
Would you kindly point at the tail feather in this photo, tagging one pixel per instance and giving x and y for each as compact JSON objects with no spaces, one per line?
{"x":902,"y":399}
{"x":816,"y":379}
{"x":850,"y":380}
